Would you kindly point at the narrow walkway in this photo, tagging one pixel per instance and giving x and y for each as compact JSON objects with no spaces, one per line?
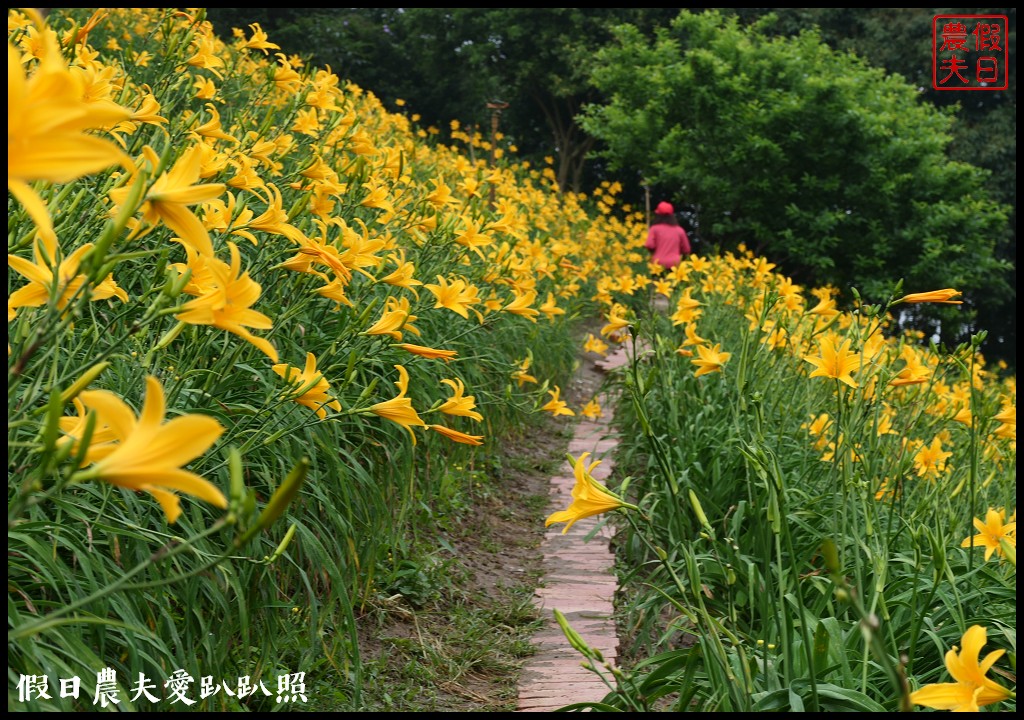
{"x":579,"y":582}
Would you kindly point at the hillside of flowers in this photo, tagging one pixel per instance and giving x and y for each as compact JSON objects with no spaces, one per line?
{"x":259,"y":325}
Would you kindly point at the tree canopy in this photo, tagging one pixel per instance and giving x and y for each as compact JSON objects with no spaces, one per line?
{"x":828,"y":166}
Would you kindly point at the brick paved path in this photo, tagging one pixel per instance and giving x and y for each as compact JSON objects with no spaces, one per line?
{"x":579,"y":582}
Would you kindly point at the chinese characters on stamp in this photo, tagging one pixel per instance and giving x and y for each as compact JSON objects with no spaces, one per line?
{"x":970,"y":52}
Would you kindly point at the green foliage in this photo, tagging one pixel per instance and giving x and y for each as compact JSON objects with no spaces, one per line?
{"x":449,"y":63}
{"x":790,"y":554}
{"x":819,"y":161}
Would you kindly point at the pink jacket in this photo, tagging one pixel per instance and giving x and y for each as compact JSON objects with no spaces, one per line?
{"x":668,"y":243}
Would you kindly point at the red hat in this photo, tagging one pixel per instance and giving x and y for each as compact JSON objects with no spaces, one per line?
{"x":664,"y":208}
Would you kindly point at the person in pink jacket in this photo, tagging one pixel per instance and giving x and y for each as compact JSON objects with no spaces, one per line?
{"x":666,"y":239}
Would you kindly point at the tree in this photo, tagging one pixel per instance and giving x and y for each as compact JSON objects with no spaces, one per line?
{"x":826,"y":165}
{"x":449,"y":63}
{"x":985,"y":128}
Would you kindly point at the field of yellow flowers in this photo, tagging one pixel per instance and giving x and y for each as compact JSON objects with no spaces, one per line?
{"x":254,"y":319}
{"x":824,"y":506}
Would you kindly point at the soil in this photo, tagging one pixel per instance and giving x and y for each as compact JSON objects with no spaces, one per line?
{"x":496,"y":566}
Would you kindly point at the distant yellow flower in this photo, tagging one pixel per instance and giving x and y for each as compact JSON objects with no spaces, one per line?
{"x":991,"y":532}
{"x":206,"y":52}
{"x":616,"y":320}
{"x":377,"y":197}
{"x":285,"y":77}
{"x":555,"y":406}
{"x":441,"y":195}
{"x":817,"y":428}
{"x":826,"y":307}
{"x":147,"y":112}
{"x":520,"y":375}
{"x":914,"y":372}
{"x":472,"y":238}
{"x":395,"y":319}
{"x":692,"y":338}
{"x":307,"y":122}
{"x":592,"y":410}
{"x":1007,"y":418}
{"x":972,"y":690}
{"x":314,"y":386}
{"x":589,"y":497}
{"x":710,"y":359}
{"x":402,"y":276}
{"x":428,"y":352}
{"x":224,"y":296}
{"x":459,"y":437}
{"x":594,"y":344}
{"x":274,"y":219}
{"x":212,"y":129}
{"x":687,"y":309}
{"x":833,"y":361}
{"x":662,"y":287}
{"x":258,"y":41}
{"x":459,"y":404}
{"x":522,"y":305}
{"x":399,"y":409}
{"x":550,"y":307}
{"x":205,"y":88}
{"x":930,"y":460}
{"x":456,"y":295}
{"x":944,"y":297}
{"x":148,"y":454}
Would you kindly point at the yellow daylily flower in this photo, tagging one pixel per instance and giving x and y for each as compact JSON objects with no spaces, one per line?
{"x":944,"y":297}
{"x":399,"y":409}
{"x":457,"y":295}
{"x":459,"y":437}
{"x":1007,"y":418}
{"x":259,"y":40}
{"x":555,"y":406}
{"x":429,"y":352}
{"x":550,"y":307}
{"x":47,"y":120}
{"x":930,"y":460}
{"x":521,"y":305}
{"x":616,"y":320}
{"x":710,"y":359}
{"x":589,"y":497}
{"x":520,"y":375}
{"x":168,"y":198}
{"x":972,"y":690}
{"x":594,"y":344}
{"x":834,"y":361}
{"x":394,"y":319}
{"x":687,"y":309}
{"x":149,"y":453}
{"x":225,"y":295}
{"x":313,"y":384}
{"x":914,"y":372}
{"x":211,"y":129}
{"x":459,"y":404}
{"x":991,"y":532}
{"x":472,"y":238}
{"x":63,"y":283}
{"x":592,"y":410}
{"x":402,"y":276}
